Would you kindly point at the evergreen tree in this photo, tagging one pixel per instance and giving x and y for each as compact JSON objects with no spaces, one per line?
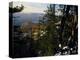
{"x":68,"y":22}
{"x":61,"y":30}
{"x":49,"y":42}
{"x":15,"y":9}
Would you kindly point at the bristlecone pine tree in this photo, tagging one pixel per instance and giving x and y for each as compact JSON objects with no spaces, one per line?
{"x":48,"y":43}
{"x":61,"y":30}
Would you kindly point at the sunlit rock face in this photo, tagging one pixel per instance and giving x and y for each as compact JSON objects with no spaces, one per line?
{"x":33,"y":30}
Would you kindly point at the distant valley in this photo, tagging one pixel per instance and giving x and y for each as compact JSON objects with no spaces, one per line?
{"x":20,"y":18}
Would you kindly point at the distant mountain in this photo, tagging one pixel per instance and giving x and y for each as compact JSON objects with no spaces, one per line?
{"x":19,"y":18}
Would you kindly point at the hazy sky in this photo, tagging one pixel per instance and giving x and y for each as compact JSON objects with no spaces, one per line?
{"x":32,"y":7}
